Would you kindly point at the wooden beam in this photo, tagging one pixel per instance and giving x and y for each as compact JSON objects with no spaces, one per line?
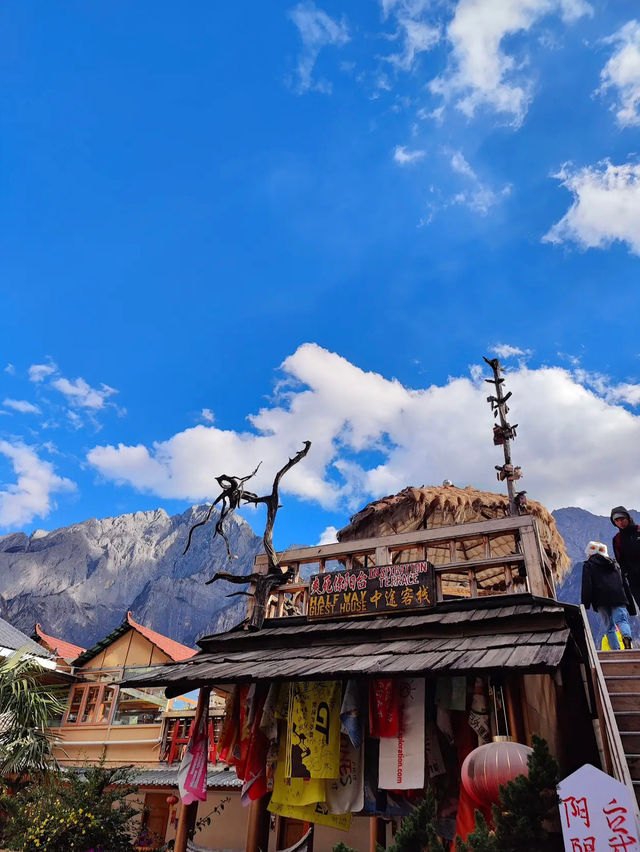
{"x":475,"y":529}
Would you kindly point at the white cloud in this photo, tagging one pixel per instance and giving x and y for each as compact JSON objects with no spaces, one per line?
{"x":81,"y":395}
{"x":405,"y":157}
{"x":478,"y":196}
{"x":622,"y":73}
{"x":328,"y":536}
{"x":372,"y":436}
{"x":10,"y":369}
{"x":606,"y":206}
{"x":504,"y":350}
{"x":30,"y":496}
{"x":39,"y":372}
{"x":22,"y":406}
{"x":207,"y":415}
{"x":416,"y":37}
{"x":481,"y":72}
{"x":317,"y":30}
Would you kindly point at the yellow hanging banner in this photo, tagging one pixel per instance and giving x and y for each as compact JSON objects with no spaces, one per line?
{"x":295,"y":792}
{"x":317,"y":813}
{"x":313,"y":730}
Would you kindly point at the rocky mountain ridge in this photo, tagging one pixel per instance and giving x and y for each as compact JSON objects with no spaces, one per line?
{"x":79,"y":581}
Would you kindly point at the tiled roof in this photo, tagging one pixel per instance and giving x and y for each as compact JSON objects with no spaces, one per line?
{"x":219,"y":777}
{"x":14,"y":640}
{"x":66,"y":650}
{"x":174,"y":650}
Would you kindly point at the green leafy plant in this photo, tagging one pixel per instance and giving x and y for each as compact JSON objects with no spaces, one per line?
{"x":26,"y":706}
{"x":73,"y":811}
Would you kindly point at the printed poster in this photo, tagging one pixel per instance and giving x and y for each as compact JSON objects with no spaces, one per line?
{"x":402,"y":763}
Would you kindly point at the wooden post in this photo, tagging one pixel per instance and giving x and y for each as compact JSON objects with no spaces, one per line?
{"x":258,"y":827}
{"x":377,"y":833}
{"x":189,"y":813}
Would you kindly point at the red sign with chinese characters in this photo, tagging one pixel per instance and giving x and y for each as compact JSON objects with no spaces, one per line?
{"x":377,"y":589}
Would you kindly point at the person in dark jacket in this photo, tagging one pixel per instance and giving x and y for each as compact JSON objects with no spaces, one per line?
{"x":605,"y":589}
{"x":626,"y":548}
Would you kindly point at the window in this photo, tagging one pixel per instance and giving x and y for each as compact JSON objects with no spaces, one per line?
{"x":90,"y":704}
{"x":139,"y":707}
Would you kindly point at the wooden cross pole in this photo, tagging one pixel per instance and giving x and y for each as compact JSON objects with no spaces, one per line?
{"x":499,"y":405}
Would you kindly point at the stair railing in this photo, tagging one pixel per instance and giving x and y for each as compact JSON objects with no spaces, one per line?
{"x":612,"y":754}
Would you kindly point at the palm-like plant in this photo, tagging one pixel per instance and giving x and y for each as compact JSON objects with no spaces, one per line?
{"x":26,"y":706}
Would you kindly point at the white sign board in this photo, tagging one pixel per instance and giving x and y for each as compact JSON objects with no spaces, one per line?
{"x":597,"y":813}
{"x":401,"y":765}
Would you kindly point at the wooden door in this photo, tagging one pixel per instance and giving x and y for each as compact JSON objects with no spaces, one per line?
{"x":156,"y":817}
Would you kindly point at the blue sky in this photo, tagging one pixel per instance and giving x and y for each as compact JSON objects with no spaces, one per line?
{"x":230,"y":228}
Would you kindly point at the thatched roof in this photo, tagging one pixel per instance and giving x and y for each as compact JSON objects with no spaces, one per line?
{"x":439,"y":506}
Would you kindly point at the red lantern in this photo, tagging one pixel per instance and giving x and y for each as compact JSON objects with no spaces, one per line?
{"x":172,"y":800}
{"x":488,"y":766}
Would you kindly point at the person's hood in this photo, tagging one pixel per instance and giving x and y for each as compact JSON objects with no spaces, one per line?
{"x":602,"y":562}
{"x":620,"y":510}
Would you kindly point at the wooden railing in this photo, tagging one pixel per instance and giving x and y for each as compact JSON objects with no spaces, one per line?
{"x":499,"y":556}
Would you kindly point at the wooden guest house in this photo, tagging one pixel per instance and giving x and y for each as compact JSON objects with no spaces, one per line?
{"x":431,"y":627}
{"x":114,"y":725}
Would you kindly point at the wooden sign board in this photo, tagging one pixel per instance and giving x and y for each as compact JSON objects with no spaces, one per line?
{"x":597,"y":813}
{"x":373,"y":590}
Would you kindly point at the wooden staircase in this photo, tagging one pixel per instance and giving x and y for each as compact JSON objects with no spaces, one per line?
{"x":621,"y":670}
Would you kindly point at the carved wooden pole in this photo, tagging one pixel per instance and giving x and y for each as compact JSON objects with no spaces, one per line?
{"x":505,"y":432}
{"x":189,"y":813}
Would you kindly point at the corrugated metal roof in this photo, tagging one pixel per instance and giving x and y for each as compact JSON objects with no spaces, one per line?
{"x":222,"y":777}
{"x":14,"y":640}
{"x":530,"y":635}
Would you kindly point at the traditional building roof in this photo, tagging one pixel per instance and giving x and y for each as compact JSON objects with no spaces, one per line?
{"x":12,"y":639}
{"x":515,"y":631}
{"x":439,"y":506}
{"x":170,"y":647}
{"x":67,"y":650}
{"x":224,"y":777}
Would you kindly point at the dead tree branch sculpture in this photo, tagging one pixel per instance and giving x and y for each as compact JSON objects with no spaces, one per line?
{"x":232,"y":496}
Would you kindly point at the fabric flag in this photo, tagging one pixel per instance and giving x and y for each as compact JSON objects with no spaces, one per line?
{"x":192,"y":775}
{"x":230,"y":726}
{"x":402,"y":763}
{"x":255,"y":778}
{"x":346,"y":793}
{"x":313,"y":730}
{"x":317,"y":813}
{"x":384,"y":718}
{"x":351,"y":723}
{"x":435,"y":762}
{"x":296,"y":791}
{"x":479,"y":713}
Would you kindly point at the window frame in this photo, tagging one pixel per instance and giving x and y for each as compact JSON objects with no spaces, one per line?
{"x":84,"y":689}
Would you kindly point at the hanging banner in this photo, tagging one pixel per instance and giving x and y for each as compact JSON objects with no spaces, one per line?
{"x":597,"y":813}
{"x":312,"y":813}
{"x":313,"y":730}
{"x":384,"y":588}
{"x":295,"y":792}
{"x":402,"y":763}
{"x":346,"y":793}
{"x":192,"y":775}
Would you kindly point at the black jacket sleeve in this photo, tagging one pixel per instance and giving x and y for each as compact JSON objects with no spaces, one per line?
{"x":586,"y":596}
{"x":631,"y":606}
